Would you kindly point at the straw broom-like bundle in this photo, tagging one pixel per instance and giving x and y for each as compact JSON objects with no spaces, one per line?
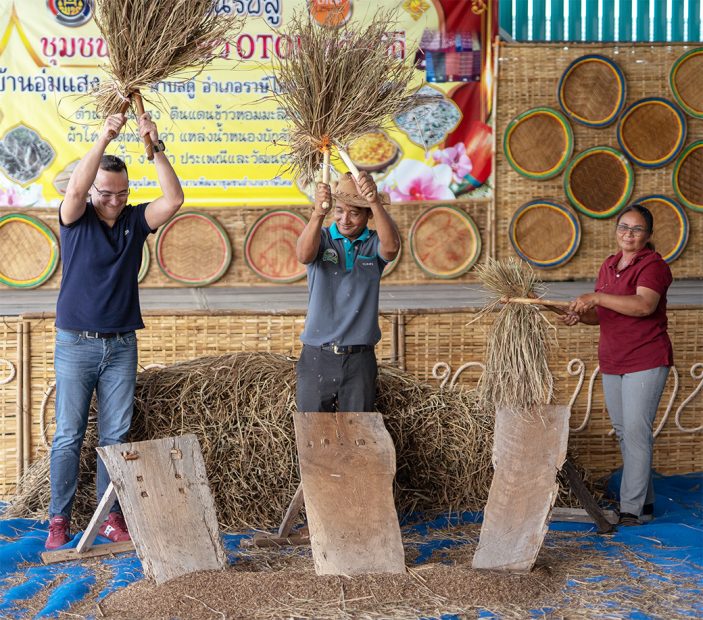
{"x":337,"y":84}
{"x":149,"y":40}
{"x":517,"y":374}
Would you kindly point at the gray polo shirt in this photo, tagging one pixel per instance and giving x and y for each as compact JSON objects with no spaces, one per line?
{"x":343,"y":284}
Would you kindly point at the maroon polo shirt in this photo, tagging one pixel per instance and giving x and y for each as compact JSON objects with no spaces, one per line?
{"x":629,"y":343}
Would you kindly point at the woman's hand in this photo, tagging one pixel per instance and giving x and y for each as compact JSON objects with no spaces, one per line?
{"x":569,"y":319}
{"x":584,"y":303}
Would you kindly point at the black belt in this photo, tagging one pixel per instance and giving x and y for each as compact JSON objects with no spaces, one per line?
{"x":344,"y":350}
{"x":94,"y":335}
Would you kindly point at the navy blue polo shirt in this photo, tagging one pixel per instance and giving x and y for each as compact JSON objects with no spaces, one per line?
{"x":343,"y":282}
{"x":99,"y":290}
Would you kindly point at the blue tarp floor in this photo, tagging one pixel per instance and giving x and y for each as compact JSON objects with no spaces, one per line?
{"x":649,"y":571}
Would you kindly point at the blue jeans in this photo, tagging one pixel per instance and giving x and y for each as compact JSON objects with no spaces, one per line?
{"x":107,"y":366}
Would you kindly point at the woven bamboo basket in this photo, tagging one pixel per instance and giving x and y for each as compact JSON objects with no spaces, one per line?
{"x":193,"y":249}
{"x":652,"y":132}
{"x":538,"y":143}
{"x":269,"y":248}
{"x":592,"y":91}
{"x":29,"y":251}
{"x":445,"y":242}
{"x":686,"y":82}
{"x":598,"y":182}
{"x":545,"y":233}
{"x":688,"y":176}
{"x":146,"y":262}
{"x":670,"y":225}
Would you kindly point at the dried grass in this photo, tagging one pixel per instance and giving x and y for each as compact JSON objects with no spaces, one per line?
{"x":149,"y":41}
{"x":337,"y":84}
{"x":517,"y":374}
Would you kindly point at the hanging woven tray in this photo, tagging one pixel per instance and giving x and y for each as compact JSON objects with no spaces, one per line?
{"x":592,"y":91}
{"x":390,"y":267}
{"x":688,"y":176}
{"x":598,"y":181}
{"x":269,"y":248}
{"x":146,"y":261}
{"x":29,"y":251}
{"x":193,"y":249}
{"x":545,"y":233}
{"x":445,"y":242}
{"x":686,"y":81}
{"x":670,"y":225}
{"x":652,"y":132}
{"x":538,"y":143}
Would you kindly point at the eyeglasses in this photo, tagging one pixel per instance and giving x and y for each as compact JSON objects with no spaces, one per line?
{"x":108,"y":195}
{"x":637,"y":231}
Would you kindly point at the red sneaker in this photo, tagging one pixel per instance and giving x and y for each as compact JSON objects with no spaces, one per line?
{"x":114,"y":528}
{"x":59,"y":532}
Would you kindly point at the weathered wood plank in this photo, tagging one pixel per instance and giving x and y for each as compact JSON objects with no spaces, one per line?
{"x":66,"y":555}
{"x":101,"y":512}
{"x":347,"y":466}
{"x":166,"y":501}
{"x":528,"y":450}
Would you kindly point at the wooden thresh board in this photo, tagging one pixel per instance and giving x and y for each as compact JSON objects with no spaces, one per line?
{"x":347,"y":466}
{"x":528,"y":451}
{"x":165,"y":497}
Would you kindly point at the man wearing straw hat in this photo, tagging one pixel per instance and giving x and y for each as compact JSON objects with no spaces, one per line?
{"x":337,"y":368}
{"x":98,"y":311}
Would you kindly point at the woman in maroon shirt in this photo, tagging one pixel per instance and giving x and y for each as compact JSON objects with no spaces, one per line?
{"x":634,"y":351}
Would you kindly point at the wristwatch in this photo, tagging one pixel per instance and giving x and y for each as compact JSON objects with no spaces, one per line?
{"x":159,"y":146}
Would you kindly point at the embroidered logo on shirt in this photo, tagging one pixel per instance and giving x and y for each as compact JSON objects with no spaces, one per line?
{"x":126,"y":232}
{"x":330,"y":256}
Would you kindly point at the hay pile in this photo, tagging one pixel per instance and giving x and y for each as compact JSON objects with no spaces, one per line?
{"x":240,"y":407}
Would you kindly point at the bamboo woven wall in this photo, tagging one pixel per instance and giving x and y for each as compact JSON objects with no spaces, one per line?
{"x":528,"y":77}
{"x":413,"y":340}
{"x":238,"y":221}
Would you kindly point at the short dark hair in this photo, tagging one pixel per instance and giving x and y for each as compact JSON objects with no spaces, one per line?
{"x":112,"y":163}
{"x":645,"y":213}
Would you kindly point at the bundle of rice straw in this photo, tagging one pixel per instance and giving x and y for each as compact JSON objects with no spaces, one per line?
{"x":517,"y":374}
{"x":336,"y":84}
{"x":149,"y":41}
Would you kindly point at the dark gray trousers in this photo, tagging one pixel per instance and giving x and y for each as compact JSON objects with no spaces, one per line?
{"x":331,"y":382}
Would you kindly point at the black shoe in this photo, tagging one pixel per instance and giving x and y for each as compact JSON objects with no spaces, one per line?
{"x":647,"y":513}
{"x":627,"y":518}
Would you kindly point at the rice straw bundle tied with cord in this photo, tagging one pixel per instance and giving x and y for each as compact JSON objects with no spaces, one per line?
{"x":336,"y":84}
{"x":149,"y":41}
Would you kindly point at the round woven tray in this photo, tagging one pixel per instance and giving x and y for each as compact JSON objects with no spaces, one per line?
{"x":538,"y":143}
{"x":592,"y":91}
{"x":29,"y":251}
{"x":444,"y":242}
{"x":146,"y":261}
{"x":390,"y":267}
{"x":269,"y":248}
{"x":688,"y":176}
{"x":545,"y":233}
{"x":686,"y":81}
{"x":598,"y":181}
{"x":670,"y":225}
{"x":652,"y":132}
{"x":193,"y":249}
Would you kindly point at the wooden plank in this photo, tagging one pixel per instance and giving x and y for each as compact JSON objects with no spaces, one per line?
{"x":166,"y":501}
{"x":347,"y":466}
{"x":292,"y":513}
{"x":528,"y":451}
{"x":66,"y":555}
{"x":579,"y":489}
{"x":579,"y":515}
{"x":266,"y":540}
{"x":101,"y":512}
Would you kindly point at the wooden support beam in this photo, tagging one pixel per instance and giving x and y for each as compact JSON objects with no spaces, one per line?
{"x":67,"y":555}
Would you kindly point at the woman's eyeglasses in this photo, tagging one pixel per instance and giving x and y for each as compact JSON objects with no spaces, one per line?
{"x":637,"y":231}
{"x":108,"y":195}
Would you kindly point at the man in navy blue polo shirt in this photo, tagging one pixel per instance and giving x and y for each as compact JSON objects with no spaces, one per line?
{"x":337,"y":368}
{"x":98,"y":312}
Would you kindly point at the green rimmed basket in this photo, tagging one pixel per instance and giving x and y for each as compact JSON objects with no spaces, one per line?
{"x":146,"y":262}
{"x":671,"y":226}
{"x":538,"y":143}
{"x":29,"y":251}
{"x":599,"y":181}
{"x":686,"y":82}
{"x":687,"y":177}
{"x":269,"y":247}
{"x":444,"y":242}
{"x":193,"y":249}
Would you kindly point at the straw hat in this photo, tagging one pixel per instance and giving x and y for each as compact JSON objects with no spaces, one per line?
{"x":345,"y":191}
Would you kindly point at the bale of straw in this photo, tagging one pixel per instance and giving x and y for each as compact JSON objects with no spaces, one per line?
{"x":517,"y":374}
{"x":240,"y":407}
{"x":149,"y":41}
{"x":337,"y":83}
